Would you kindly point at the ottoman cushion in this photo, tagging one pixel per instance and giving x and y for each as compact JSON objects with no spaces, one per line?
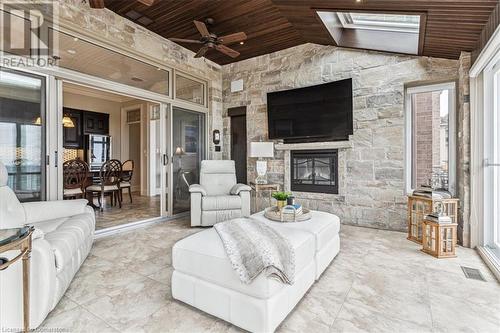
{"x":324,"y":226}
{"x":202,"y":255}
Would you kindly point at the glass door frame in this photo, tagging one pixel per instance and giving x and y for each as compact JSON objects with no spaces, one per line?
{"x":491,"y":159}
{"x":186,"y":107}
{"x":166,"y":148}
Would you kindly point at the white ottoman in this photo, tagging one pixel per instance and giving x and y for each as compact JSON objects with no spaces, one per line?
{"x":204,"y":278}
{"x":324,"y":227}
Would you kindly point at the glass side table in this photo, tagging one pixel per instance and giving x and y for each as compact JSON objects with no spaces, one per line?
{"x":19,"y":239}
{"x":259,"y":202}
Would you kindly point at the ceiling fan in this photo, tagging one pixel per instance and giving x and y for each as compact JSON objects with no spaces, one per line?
{"x":99,"y":4}
{"x":212,"y":41}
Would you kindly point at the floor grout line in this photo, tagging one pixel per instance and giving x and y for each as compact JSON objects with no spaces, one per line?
{"x":342,"y":305}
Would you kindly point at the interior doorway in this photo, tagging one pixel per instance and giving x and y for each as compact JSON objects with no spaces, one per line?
{"x":104,"y":132}
{"x":239,"y":141}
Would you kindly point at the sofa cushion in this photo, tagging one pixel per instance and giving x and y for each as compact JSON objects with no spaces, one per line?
{"x":202,"y":255}
{"x":69,"y":237}
{"x":98,"y":188}
{"x":324,"y":226}
{"x":72,"y":191}
{"x":221,"y":202}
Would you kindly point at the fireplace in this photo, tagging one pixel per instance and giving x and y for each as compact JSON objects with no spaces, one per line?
{"x":314,"y":171}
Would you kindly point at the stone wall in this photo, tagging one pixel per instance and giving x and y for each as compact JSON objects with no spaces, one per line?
{"x":463,"y":144}
{"x":374,"y":190}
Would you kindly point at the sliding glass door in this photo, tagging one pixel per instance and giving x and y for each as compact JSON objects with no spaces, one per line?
{"x":22,"y":133}
{"x":492,"y":161}
{"x":188,"y":147}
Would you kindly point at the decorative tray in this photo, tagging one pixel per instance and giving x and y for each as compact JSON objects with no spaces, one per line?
{"x":274,"y":214}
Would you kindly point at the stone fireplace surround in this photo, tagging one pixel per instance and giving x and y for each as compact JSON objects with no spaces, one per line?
{"x":303,"y":160}
{"x":305,"y":197}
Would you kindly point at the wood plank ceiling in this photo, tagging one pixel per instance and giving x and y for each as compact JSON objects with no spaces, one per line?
{"x":452,"y":25}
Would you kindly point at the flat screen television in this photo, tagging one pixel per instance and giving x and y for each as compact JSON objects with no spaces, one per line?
{"x":316,"y":113}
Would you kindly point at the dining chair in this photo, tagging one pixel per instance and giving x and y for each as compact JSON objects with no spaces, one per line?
{"x":126,"y":180}
{"x":75,"y":173}
{"x":109,"y":183}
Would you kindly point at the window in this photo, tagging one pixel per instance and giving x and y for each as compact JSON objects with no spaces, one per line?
{"x":22,"y":133}
{"x":189,"y":90}
{"x":430,"y":143}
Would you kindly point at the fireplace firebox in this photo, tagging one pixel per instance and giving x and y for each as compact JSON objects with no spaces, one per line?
{"x":314,"y":171}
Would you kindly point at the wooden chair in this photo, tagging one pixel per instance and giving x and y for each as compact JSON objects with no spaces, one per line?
{"x":126,"y":180}
{"x":109,"y":183}
{"x":75,"y":173}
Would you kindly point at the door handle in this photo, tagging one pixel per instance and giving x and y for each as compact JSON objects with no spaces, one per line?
{"x":488,"y":164}
{"x":165,"y":159}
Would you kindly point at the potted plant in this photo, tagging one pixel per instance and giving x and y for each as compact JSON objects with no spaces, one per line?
{"x":280,"y":199}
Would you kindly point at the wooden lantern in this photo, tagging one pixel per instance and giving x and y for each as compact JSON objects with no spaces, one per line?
{"x":439,"y":240}
{"x":419,"y":206}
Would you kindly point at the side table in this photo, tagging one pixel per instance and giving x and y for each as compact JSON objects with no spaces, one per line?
{"x":259,"y":189}
{"x":19,"y":239}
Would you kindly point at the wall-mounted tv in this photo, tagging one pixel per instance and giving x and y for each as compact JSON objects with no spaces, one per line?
{"x":316,"y":113}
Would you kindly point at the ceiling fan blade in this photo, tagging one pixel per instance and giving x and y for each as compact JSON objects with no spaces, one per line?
{"x":227,"y":51}
{"x":96,"y":4}
{"x":147,"y":2}
{"x":201,"y":52}
{"x":202,"y":28}
{"x":233,"y":38}
{"x":182,"y":40}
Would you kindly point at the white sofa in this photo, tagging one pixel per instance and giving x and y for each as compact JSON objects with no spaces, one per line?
{"x":63,"y":236}
{"x":203,"y":276}
{"x":218,"y":197}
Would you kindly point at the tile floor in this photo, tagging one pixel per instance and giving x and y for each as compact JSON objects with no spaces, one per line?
{"x":380,"y":282}
{"x":141,"y":208}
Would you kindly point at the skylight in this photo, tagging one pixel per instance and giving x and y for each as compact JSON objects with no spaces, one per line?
{"x":385,"y":22}
{"x":399,"y":33}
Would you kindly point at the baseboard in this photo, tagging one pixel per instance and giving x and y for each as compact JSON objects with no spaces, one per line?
{"x":491,"y":260}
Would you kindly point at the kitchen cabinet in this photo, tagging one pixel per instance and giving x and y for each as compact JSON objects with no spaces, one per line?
{"x":95,"y":123}
{"x":73,"y":136}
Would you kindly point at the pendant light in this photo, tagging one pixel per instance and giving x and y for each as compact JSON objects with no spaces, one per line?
{"x":66,"y":121}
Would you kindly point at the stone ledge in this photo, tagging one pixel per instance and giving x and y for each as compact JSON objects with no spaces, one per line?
{"x":314,"y":145}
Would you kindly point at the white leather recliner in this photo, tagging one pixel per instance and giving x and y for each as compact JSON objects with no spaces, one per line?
{"x":63,"y":236}
{"x":218,"y":197}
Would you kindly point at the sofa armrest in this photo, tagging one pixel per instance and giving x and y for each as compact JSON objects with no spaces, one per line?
{"x":236,"y":189}
{"x":48,"y":210}
{"x":197,"y":188}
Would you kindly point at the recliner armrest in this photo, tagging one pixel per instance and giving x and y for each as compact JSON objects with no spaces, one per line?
{"x":197,"y":188}
{"x":236,"y":189}
{"x":48,"y":210}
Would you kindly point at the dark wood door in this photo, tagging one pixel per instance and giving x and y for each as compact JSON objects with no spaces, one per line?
{"x":239,"y":146}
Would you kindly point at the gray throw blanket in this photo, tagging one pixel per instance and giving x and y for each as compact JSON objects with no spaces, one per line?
{"x":253,"y":248}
